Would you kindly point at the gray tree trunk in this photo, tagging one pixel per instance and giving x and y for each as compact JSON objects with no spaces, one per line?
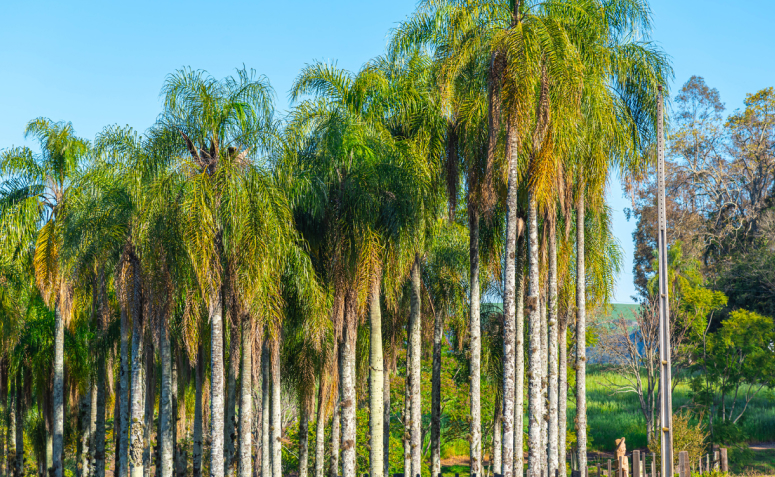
{"x":509,"y":321}
{"x":562,"y":411}
{"x":92,"y":427}
{"x":10,"y":458}
{"x":277,"y":410}
{"x":415,"y":342}
{"x":137,"y":389}
{"x":166,"y":440}
{"x":3,"y":414}
{"x":217,"y":402}
{"x":181,"y":431}
{"x":122,"y":437}
{"x":150,"y":404}
{"x":59,"y":392}
{"x":581,"y":339}
{"x":475,"y":337}
{"x":534,"y":318}
{"x":335,"y":425}
{"x":438,"y":335}
{"x":83,"y":457}
{"x":497,"y":438}
{"x":303,"y":440}
{"x":198,"y":415}
{"x":98,"y":464}
{"x":544,"y":384}
{"x":386,"y":417}
{"x":246,"y":400}
{"x":230,"y":422}
{"x":266,"y":412}
{"x":407,"y":441}
{"x":347,"y":375}
{"x":553,"y":450}
{"x":519,"y":367}
{"x":320,"y":430}
{"x":19,"y":434}
{"x":376,"y":382}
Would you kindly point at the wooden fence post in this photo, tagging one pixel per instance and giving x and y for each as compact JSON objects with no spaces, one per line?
{"x":724,"y":463}
{"x":609,"y":469}
{"x":683,"y":464}
{"x":653,"y":464}
{"x":636,"y":463}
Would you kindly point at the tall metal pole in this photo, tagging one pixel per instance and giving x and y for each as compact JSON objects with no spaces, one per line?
{"x":665,"y":378}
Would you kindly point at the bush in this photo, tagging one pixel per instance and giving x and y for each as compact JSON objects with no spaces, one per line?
{"x":686,"y":437}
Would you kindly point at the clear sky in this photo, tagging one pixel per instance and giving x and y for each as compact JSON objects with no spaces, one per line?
{"x":99,"y":63}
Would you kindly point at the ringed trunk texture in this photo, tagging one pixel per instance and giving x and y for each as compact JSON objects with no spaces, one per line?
{"x":386,"y":417}
{"x":438,"y":335}
{"x":150,"y":402}
{"x":198,"y":415}
{"x":217,"y":402}
{"x":230,"y":426}
{"x":407,"y":412}
{"x":166,"y":444}
{"x":335,"y":424}
{"x":475,"y":337}
{"x":246,"y":400}
{"x":59,"y":393}
{"x":376,"y":382}
{"x":581,"y":339}
{"x":544,"y":384}
{"x":509,"y":324}
{"x":181,"y":428}
{"x":266,"y":412}
{"x":415,"y":385}
{"x":534,"y":319}
{"x":277,"y":410}
{"x":92,"y":426}
{"x":137,"y":401}
{"x":497,"y":439}
{"x":83,"y":470}
{"x":519,"y":366}
{"x":562,"y":420}
{"x":122,"y":438}
{"x":553,"y":448}
{"x":320,"y":430}
{"x":98,"y":463}
{"x":348,"y":385}
{"x":303,"y":440}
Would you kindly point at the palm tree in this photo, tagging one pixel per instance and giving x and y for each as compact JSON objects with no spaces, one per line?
{"x":43,"y":181}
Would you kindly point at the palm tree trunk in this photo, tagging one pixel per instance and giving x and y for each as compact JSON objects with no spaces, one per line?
{"x":277,"y":409}
{"x":3,"y":409}
{"x":181,"y":431}
{"x":231,"y":396}
{"x":150,"y":404}
{"x":497,"y":438}
{"x":303,"y":440}
{"x":98,"y":464}
{"x":320,"y":430}
{"x":534,"y":320}
{"x":246,"y":399}
{"x":198,"y":417}
{"x":10,"y":458}
{"x":553,"y":358}
{"x":519,"y":366}
{"x":407,"y":413}
{"x":92,"y":428}
{"x":266,"y":412}
{"x":415,"y":342}
{"x":19,"y":434}
{"x":438,"y":334}
{"x":581,"y":339}
{"x":544,"y":384}
{"x":562,"y":419}
{"x":122,"y":437}
{"x":509,"y":321}
{"x":166,"y":444}
{"x":386,"y":417}
{"x":348,"y":385}
{"x":83,"y":451}
{"x":336,"y":423}
{"x":376,"y":382}
{"x":217,"y":403}
{"x":475,"y":337}
{"x":137,"y":390}
{"x":59,"y":392}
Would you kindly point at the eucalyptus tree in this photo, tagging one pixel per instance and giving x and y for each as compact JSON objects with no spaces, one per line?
{"x":43,"y":181}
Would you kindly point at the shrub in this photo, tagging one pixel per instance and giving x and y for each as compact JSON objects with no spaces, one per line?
{"x":686,"y":437}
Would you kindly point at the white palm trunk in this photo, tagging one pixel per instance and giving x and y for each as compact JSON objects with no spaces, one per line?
{"x":336,"y":421}
{"x":415,"y":387}
{"x":303,"y":440}
{"x":150,"y":402}
{"x":137,"y":394}
{"x":276,"y":424}
{"x":581,"y":339}
{"x":196,"y":458}
{"x":122,"y":439}
{"x":320,"y":431}
{"x":98,"y":463}
{"x":85,"y":415}
{"x":92,"y":427}
{"x":544,"y":385}
{"x":217,"y":402}
{"x":509,"y":322}
{"x":475,"y":337}
{"x":562,"y":411}
{"x":266,"y":413}
{"x":535,"y":394}
{"x":348,"y":403}
{"x":497,"y":439}
{"x":519,"y":367}
{"x":19,"y":434}
{"x":11,"y":436}
{"x":376,"y":382}
{"x":230,"y":420}
{"x":386,"y":417}
{"x":407,"y":441}
{"x":166,"y":444}
{"x":438,"y":334}
{"x":246,"y":401}
{"x":553,"y":458}
{"x":58,"y":393}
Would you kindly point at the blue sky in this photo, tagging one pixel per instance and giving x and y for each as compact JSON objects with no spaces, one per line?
{"x":99,"y":63}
